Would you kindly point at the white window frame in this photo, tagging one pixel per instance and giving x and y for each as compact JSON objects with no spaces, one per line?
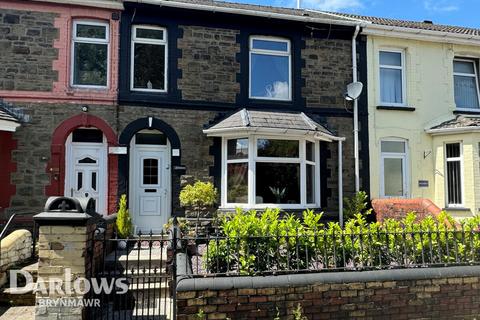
{"x":253,"y":158}
{"x":89,"y":40}
{"x":287,"y":53}
{"x":134,"y":40}
{"x":395,"y":155}
{"x":401,"y":68}
{"x":472,"y":61}
{"x":462,"y":176}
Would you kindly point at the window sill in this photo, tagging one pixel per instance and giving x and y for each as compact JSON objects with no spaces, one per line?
{"x":466,"y":111}
{"x":395,"y":108}
{"x":456,"y":209}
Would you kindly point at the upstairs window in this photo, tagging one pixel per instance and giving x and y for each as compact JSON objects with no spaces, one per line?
{"x":454,"y":174}
{"x":90,"y":54}
{"x":466,"y":84}
{"x":270,"y":69}
{"x":392,"y":78}
{"x":149,"y":59}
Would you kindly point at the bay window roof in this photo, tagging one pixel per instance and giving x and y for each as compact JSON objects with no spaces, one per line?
{"x":8,"y":121}
{"x":273,"y":122}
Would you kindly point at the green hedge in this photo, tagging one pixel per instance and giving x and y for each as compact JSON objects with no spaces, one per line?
{"x":250,"y":243}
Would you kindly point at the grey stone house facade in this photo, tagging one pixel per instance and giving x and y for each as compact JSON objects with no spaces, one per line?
{"x":273,"y":80}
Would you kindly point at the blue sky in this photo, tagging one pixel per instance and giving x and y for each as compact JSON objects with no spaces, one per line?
{"x":453,"y":12}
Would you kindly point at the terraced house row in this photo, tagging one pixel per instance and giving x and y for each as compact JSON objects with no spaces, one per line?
{"x":103,"y":98}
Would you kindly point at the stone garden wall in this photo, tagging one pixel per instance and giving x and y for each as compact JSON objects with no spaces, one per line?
{"x":430,"y":293}
{"x":15,"y":248}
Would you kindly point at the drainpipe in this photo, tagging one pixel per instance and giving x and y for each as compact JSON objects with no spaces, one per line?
{"x":355,"y":110}
{"x":340,"y":182}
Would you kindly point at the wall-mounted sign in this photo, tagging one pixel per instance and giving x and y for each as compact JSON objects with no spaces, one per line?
{"x":175,"y":152}
{"x":423,"y":183}
{"x":117,"y":150}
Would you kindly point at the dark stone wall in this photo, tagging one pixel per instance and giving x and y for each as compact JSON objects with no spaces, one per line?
{"x":208,"y":65}
{"x":26,"y":50}
{"x":327,"y":71}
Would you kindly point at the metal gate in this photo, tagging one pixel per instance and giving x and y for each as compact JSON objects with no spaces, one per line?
{"x":132,"y":278}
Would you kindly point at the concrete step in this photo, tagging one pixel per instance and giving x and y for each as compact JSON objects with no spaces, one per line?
{"x":19,"y":313}
{"x":139,"y":258}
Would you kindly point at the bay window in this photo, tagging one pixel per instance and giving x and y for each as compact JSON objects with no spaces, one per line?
{"x":270,"y":171}
{"x":270,"y":68}
{"x":90,"y":46}
{"x":466,"y":84}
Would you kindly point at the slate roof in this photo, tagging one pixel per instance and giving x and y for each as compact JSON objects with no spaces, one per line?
{"x":270,"y":119}
{"x":267,"y":9}
{"x":460,"y":121}
{"x":5,"y":115}
{"x":421,"y":25}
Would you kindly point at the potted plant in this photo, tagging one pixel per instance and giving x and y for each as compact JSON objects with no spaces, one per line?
{"x":123,"y":223}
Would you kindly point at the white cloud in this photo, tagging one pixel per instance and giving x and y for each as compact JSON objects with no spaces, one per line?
{"x":331,"y":5}
{"x":440,"y":5}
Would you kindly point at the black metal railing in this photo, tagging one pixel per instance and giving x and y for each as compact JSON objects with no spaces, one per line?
{"x":330,"y":250}
{"x":144,"y":264}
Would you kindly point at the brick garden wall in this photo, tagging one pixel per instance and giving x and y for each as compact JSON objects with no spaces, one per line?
{"x":454,"y":295}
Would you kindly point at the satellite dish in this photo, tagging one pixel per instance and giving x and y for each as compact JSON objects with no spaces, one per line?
{"x":354,"y":90}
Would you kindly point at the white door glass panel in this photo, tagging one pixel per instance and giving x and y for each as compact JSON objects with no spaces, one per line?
{"x":393,"y":177}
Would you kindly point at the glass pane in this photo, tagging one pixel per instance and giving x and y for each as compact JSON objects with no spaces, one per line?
{"x":393,"y":176}
{"x":454,"y":182}
{"x":149,"y":66}
{"x":87,"y":135}
{"x":90,"y":64}
{"x":89,"y":31}
{"x":453,"y":150}
{"x":310,"y":151}
{"x":87,"y":160}
{"x":466,"y":95}
{"x":237,"y":183}
{"x":310,"y":183}
{"x":237,"y":149}
{"x":150,"y":171}
{"x":391,"y":85}
{"x":391,"y":58}
{"x":270,"y":77}
{"x":278,"y":183}
{"x":278,"y":148}
{"x":79,"y":180}
{"x":393,"y":146}
{"x":151,"y":138}
{"x":463,"y":67}
{"x":149,"y":33}
{"x":94,"y":181}
{"x":270,"y":45}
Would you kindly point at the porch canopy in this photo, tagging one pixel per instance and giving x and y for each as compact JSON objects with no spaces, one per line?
{"x":287,"y":124}
{"x":8,"y":122}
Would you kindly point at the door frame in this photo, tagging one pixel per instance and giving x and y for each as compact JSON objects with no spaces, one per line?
{"x":406,"y":170}
{"x":102,"y":178}
{"x":132,"y":155}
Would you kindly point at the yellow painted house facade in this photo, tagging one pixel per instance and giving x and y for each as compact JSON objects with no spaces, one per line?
{"x":424,"y":115}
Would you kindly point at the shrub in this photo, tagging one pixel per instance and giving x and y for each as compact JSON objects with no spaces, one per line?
{"x":356,"y":204}
{"x":252,"y":243}
{"x":124,"y":221}
{"x":198,"y":196}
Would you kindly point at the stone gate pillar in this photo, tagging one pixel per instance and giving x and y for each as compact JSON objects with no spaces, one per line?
{"x":63,"y":241}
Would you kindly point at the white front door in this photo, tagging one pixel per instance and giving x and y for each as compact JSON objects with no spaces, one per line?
{"x":149,"y":187}
{"x":86,"y":172}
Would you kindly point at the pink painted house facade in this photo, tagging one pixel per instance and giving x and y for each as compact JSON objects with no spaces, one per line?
{"x":59,"y":71}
